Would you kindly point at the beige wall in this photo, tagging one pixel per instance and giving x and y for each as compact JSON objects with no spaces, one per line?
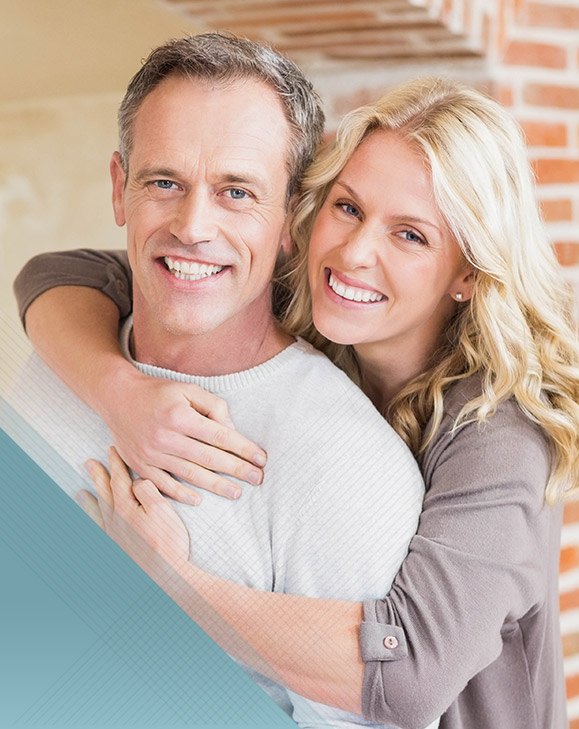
{"x":54,"y":190}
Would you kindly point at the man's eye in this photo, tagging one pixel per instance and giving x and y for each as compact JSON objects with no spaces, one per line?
{"x":163,"y":184}
{"x":236,"y":193}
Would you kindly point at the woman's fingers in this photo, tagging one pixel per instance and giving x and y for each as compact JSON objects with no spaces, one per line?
{"x":202,"y":478}
{"x":160,"y":524}
{"x":90,"y":506}
{"x":209,"y":405}
{"x":101,"y":481}
{"x":211,"y":458}
{"x":225,"y":439}
{"x":171,"y":487}
{"x":147,"y":494}
{"x":121,"y":484}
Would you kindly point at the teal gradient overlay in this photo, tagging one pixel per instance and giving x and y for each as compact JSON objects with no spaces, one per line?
{"x":87,"y":639}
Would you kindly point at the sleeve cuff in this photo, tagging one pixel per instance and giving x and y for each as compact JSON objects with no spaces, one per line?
{"x":380,"y":641}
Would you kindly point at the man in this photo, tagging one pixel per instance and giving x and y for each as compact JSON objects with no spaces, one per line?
{"x":215,"y":134}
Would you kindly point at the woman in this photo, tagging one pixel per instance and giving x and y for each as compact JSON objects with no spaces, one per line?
{"x":429,"y":280}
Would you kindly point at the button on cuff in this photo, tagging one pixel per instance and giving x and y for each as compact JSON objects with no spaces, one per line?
{"x":380,"y":642}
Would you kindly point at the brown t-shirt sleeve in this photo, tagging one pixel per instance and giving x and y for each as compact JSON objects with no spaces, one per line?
{"x":477,"y":563}
{"x":107,"y":271}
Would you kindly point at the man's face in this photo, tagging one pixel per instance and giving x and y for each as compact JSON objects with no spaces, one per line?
{"x":204,"y":201}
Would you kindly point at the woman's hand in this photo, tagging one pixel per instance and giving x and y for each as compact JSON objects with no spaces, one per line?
{"x":136,"y":516}
{"x":167,"y":430}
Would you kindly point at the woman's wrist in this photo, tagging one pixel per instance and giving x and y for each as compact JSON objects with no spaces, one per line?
{"x":111,"y":380}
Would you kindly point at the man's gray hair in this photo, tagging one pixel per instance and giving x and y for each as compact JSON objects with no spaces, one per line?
{"x":222,"y":58}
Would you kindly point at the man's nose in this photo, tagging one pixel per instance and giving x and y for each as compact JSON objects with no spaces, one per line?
{"x":195,"y":219}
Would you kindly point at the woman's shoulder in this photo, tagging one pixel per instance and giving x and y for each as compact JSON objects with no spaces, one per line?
{"x":507,"y":444}
{"x":506,"y":414}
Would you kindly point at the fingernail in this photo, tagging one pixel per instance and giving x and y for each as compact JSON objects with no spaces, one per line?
{"x":89,"y":467}
{"x":260,"y":459}
{"x":194,"y":499}
{"x":255,"y":476}
{"x":232,"y":493}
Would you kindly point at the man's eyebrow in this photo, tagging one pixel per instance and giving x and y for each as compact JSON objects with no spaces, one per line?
{"x":230,"y":178}
{"x":242,"y":178}
{"x":162,"y":173}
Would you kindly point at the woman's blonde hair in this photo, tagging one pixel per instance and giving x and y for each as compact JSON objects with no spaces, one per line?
{"x":517,"y":332}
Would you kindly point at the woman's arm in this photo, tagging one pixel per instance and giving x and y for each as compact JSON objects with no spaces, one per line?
{"x":71,"y":303}
{"x":308,"y":644}
{"x":479,"y":561}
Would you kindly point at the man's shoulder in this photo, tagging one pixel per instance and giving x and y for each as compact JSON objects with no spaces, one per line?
{"x":328,"y":409}
{"x":313,"y":372}
{"x":41,"y":398}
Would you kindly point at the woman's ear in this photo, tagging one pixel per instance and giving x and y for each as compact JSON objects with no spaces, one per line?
{"x":463,"y":286}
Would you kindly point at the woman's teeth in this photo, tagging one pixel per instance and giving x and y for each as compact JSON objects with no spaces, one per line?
{"x":190,"y":271}
{"x":352,"y":294}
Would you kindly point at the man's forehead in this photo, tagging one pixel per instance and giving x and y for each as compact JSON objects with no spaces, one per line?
{"x":248,"y":101}
{"x":185,"y":125}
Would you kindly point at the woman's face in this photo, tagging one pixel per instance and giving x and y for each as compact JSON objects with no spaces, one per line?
{"x":383,"y":266}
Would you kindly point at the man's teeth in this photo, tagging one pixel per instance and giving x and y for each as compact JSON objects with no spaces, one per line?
{"x":191,"y":271}
{"x":352,"y":294}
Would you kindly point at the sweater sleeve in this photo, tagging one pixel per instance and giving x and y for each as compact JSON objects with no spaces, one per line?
{"x":475,"y":566}
{"x":107,"y":271}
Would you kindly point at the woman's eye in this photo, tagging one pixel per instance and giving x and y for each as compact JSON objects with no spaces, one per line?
{"x":349,"y":209}
{"x":412,"y":237}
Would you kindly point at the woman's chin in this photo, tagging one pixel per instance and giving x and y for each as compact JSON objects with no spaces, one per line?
{"x":335,"y":331}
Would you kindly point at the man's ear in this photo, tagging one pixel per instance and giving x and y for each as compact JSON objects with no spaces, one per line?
{"x":286,"y":242}
{"x":118,"y":178}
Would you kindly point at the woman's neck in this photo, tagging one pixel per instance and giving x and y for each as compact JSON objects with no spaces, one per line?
{"x":387,"y":370}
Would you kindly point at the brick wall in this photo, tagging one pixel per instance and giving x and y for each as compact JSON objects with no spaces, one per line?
{"x":537,"y":69}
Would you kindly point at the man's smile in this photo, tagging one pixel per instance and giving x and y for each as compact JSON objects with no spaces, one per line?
{"x":191,"y":270}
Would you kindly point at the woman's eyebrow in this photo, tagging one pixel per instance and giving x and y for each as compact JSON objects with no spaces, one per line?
{"x":402,"y":217}
{"x":346,"y":187}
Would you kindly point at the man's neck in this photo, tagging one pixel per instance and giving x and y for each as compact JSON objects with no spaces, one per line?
{"x":220,"y":352}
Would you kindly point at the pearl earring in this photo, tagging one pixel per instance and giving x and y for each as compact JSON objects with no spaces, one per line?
{"x":458,"y":296}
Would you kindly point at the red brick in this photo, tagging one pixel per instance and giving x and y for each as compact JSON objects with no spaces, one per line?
{"x":552,"y":16}
{"x":572,"y":685}
{"x":503,"y":94}
{"x":487,"y":34}
{"x":562,"y":97}
{"x":557,"y":170}
{"x":555,"y":211}
{"x":570,"y":644}
{"x":567,"y":252}
{"x":571,"y":512}
{"x":569,"y":600}
{"x":545,"y":134}
{"x":501,"y":25}
{"x":569,"y":558}
{"x":545,"y":55}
